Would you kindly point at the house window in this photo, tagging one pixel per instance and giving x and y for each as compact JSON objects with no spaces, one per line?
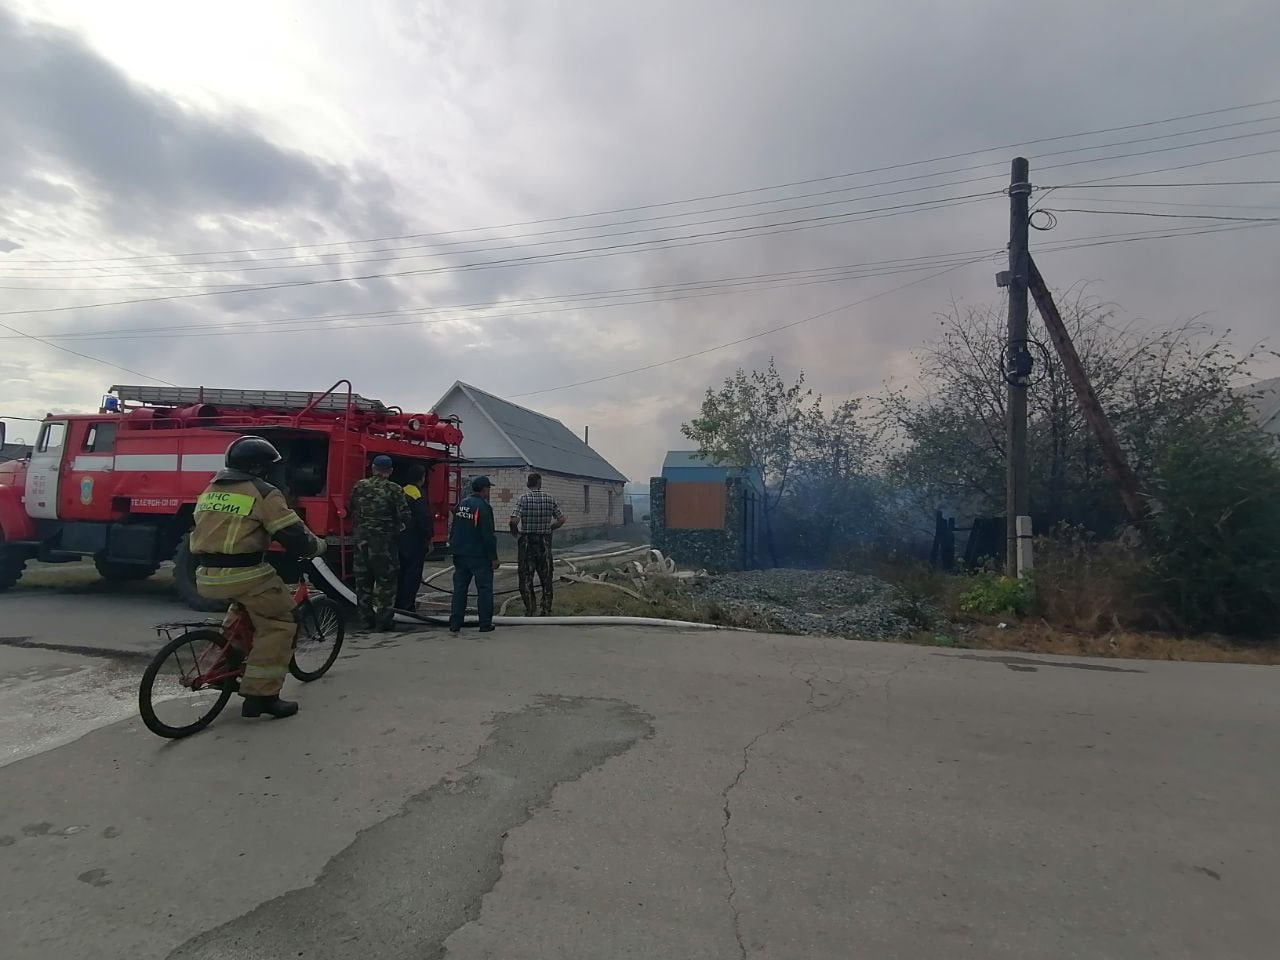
{"x":586,"y":498}
{"x":101,"y":438}
{"x":609,"y":515}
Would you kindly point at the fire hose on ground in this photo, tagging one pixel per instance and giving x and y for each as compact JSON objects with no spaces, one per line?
{"x":334,"y":583}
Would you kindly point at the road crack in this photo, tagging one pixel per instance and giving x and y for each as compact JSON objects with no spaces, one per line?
{"x":402,"y":887}
{"x":812,"y":708}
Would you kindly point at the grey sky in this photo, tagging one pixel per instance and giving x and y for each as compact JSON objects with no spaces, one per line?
{"x":152,"y":128}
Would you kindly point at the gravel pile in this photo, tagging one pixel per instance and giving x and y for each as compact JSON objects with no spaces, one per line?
{"x":818,"y":601}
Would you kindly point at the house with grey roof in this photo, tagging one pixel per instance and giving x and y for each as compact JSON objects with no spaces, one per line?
{"x":507,"y":442}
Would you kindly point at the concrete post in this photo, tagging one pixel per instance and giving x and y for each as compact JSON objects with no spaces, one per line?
{"x":1024,"y":556}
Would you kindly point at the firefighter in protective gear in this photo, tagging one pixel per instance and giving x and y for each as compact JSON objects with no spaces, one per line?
{"x":379,"y":511}
{"x":236,"y":518}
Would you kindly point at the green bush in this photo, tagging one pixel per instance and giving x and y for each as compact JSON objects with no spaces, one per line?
{"x":992,"y":593}
{"x":1214,"y":537}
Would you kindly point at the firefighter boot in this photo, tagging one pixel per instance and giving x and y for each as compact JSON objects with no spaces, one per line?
{"x":272,"y":706}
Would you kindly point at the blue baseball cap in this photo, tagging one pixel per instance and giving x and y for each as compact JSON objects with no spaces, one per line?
{"x":479,"y":483}
{"x":382,"y":462}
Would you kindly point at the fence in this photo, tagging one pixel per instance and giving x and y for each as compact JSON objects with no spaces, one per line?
{"x":985,"y":544}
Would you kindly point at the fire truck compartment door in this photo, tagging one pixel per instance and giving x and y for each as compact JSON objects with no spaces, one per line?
{"x":41,"y":494}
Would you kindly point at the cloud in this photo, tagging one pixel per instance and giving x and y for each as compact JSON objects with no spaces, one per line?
{"x":75,"y":129}
{"x":457,"y":116}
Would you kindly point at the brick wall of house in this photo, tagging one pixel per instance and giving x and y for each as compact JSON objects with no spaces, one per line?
{"x":600,"y":507}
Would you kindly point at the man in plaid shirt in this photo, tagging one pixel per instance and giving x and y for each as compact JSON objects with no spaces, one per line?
{"x":535,"y":517}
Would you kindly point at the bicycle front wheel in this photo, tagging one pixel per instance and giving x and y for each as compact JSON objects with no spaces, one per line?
{"x":173,"y":698}
{"x":321,"y":630}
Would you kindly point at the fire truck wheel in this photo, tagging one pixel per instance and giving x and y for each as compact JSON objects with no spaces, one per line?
{"x":123,"y":572}
{"x":11,"y":567}
{"x":184,"y":578}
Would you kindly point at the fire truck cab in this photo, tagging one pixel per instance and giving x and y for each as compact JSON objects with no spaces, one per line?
{"x":120,"y":485}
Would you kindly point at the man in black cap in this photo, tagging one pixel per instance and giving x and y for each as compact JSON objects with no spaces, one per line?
{"x":474,"y":545}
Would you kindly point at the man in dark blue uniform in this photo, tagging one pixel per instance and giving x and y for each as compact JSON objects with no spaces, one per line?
{"x":475,"y":556}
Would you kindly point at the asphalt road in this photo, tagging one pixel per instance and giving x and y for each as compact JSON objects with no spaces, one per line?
{"x":584,"y":793}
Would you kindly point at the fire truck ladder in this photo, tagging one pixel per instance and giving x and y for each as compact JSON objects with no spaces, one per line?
{"x":285,"y":401}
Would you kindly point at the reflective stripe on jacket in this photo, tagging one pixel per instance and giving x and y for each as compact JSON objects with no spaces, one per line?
{"x":239,"y":514}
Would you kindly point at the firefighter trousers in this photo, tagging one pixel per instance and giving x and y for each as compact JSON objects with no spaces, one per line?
{"x":270,"y":607}
{"x":411,"y":564}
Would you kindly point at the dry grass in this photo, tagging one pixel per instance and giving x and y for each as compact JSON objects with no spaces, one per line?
{"x":670,"y":601}
{"x":1033,"y":635}
{"x":1042,"y":637}
{"x":1092,"y":587}
{"x":1076,"y":604}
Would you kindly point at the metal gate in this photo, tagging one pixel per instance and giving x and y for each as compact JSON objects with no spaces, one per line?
{"x":749,"y":545}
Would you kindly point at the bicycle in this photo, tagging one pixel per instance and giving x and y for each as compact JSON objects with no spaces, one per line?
{"x":196,"y":691}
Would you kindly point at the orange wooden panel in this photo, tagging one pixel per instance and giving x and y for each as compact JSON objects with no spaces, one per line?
{"x":695,"y":506}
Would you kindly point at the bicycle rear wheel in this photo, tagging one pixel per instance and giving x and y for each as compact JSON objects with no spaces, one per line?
{"x":321,"y":630}
{"x":173,"y":698}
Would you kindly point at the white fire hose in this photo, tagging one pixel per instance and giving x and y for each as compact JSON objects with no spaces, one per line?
{"x":332,"y":580}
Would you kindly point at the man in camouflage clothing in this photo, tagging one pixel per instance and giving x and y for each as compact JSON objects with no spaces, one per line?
{"x":379,"y":511}
{"x":534,"y":519}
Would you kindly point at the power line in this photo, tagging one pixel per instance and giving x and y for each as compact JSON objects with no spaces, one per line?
{"x":581,"y":300}
{"x":669,"y":296}
{"x":1181,"y":166}
{"x":784,"y":327}
{"x":1174,"y":216}
{"x":1155,"y":150}
{"x":714,"y":196}
{"x":85,"y":356}
{"x":927,"y":204}
{"x":1126,"y":186}
{"x":615,"y":249}
{"x":754,"y":336}
{"x":256,"y":265}
{"x":1174,"y":233}
{"x":1120,"y":238}
{"x":1176,"y":203}
{"x":590,"y":252}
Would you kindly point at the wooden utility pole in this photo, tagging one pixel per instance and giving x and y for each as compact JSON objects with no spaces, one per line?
{"x":1018,"y":363}
{"x":1117,"y":463}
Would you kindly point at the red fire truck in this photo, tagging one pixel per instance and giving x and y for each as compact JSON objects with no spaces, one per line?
{"x":120,"y":485}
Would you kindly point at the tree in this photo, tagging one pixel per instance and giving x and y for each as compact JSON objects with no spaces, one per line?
{"x":1215,"y":539}
{"x":757,"y":421}
{"x":949,"y":430}
{"x":1213,"y":479}
{"x":838,"y":502}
